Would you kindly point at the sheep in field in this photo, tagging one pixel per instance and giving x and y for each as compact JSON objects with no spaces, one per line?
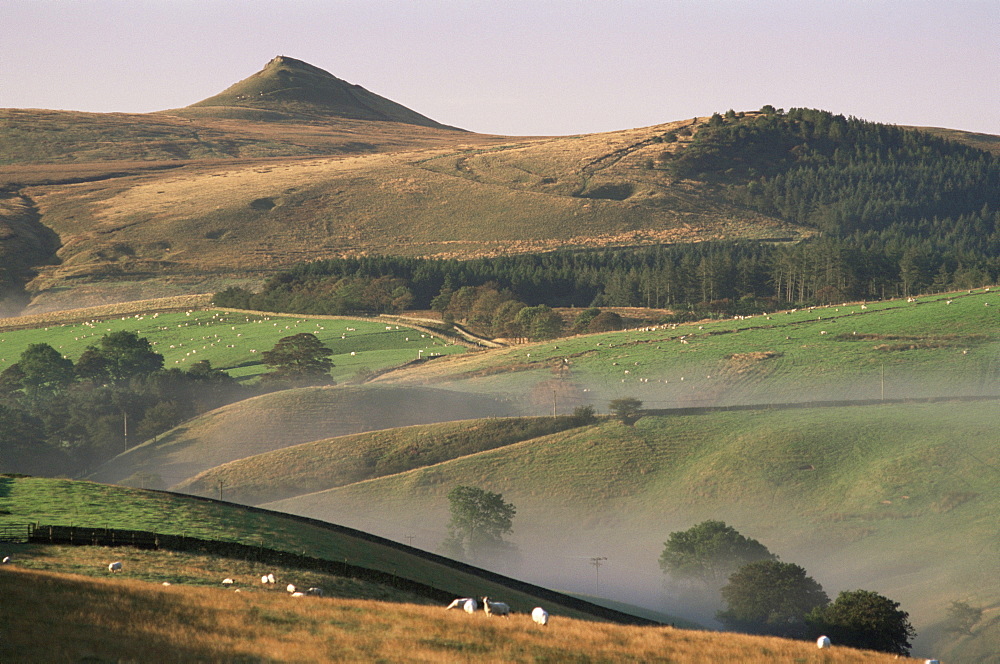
{"x":115,"y":567}
{"x":463,"y":603}
{"x":315,"y":592}
{"x":228,"y":582}
{"x":540,"y":615}
{"x":495,"y":608}
{"x":823,"y":642}
{"x":290,"y":588}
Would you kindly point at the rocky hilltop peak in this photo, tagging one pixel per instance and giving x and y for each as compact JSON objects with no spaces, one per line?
{"x":287,"y":88}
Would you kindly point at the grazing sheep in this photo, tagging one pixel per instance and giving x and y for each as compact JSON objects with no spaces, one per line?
{"x":227,"y":582}
{"x":495,"y":608}
{"x":315,"y":592}
{"x":823,"y":642}
{"x":459,"y":603}
{"x":290,"y":588}
{"x":267,"y":578}
{"x":540,"y":615}
{"x":115,"y":567}
{"x":8,"y":559}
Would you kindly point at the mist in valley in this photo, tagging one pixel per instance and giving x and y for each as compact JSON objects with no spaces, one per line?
{"x":613,"y":552}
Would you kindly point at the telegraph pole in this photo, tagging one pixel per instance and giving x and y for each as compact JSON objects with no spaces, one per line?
{"x":597,"y":562}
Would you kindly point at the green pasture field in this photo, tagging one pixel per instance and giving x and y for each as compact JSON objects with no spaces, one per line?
{"x":926,"y":347}
{"x":233,"y":341}
{"x":88,"y":504}
{"x":899,"y":498}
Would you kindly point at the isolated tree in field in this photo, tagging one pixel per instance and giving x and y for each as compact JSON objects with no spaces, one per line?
{"x":625,"y":409}
{"x":301,"y":358}
{"x":119,"y":356}
{"x":709,"y":552}
{"x":864,"y":619}
{"x":479,"y":520}
{"x":962,"y":617}
{"x":770,"y":597}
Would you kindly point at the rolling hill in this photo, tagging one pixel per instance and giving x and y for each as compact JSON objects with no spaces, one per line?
{"x":900,"y":499}
{"x":209,"y":624}
{"x":284,"y":418}
{"x":852,"y":493}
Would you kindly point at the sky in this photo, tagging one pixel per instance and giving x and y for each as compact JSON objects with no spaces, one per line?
{"x":538,"y":67}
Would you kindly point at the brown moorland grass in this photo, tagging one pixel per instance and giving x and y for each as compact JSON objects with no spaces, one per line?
{"x":62,"y":617}
{"x":213,"y":222}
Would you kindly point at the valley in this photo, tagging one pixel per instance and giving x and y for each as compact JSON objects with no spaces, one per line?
{"x":802,"y":305}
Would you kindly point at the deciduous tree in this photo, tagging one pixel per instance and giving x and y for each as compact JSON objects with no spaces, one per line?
{"x":770,"y":597}
{"x":301,"y":358}
{"x":864,"y":619}
{"x":625,"y":409}
{"x":479,"y":520}
{"x":709,"y":552}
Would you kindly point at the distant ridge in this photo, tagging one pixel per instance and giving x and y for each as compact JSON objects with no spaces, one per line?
{"x":290,"y":89}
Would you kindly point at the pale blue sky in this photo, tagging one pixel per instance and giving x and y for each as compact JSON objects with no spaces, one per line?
{"x":524,"y":67}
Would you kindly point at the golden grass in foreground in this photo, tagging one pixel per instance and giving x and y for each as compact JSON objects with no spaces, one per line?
{"x":60,"y":617}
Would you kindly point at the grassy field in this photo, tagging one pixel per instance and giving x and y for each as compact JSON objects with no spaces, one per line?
{"x":233,"y":341}
{"x":900,"y":499}
{"x":86,"y":504}
{"x":62,"y":617}
{"x":324,"y":464}
{"x":945,"y":344}
{"x":288,"y":417}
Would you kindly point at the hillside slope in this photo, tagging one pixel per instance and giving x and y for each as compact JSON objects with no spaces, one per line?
{"x":324,"y":464}
{"x":280,"y":419}
{"x":900,"y":499}
{"x":90,"y":505}
{"x":208,"y":225}
{"x":203,"y":624}
{"x":936,"y":345}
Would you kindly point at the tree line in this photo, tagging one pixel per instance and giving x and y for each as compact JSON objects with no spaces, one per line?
{"x":61,"y":417}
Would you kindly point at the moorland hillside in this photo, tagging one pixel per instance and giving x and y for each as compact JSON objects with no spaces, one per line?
{"x":293,"y":164}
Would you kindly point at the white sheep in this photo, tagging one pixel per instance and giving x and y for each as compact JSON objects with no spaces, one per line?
{"x":495,"y":608}
{"x":540,"y":615}
{"x":460,"y":603}
{"x":315,"y":592}
{"x":267,"y":578}
{"x":823,"y":642}
{"x":227,"y":582}
{"x":290,"y":588}
{"x":8,"y":559}
{"x":115,"y":567}
{"x":298,"y":594}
